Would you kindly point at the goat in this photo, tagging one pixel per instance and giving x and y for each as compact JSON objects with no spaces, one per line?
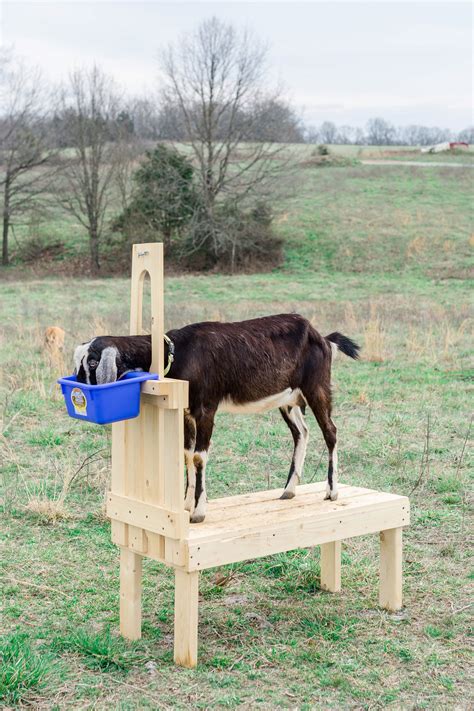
{"x":244,"y":367}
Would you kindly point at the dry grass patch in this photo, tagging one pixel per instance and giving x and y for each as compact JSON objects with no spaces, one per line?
{"x":453,"y":337}
{"x":100,"y":326}
{"x":416,"y":247}
{"x":419,"y":344}
{"x":350,"y":318}
{"x":374,"y":338}
{"x":48,"y":510}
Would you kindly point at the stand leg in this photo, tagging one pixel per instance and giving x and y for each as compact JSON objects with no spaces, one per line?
{"x":390,"y":594}
{"x":186,"y":618}
{"x":331,"y":566}
{"x":130,"y":594}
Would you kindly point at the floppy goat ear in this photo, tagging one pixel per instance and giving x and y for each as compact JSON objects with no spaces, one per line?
{"x":107,"y":369}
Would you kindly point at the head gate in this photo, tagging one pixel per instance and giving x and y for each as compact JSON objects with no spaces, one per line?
{"x":146,"y":500}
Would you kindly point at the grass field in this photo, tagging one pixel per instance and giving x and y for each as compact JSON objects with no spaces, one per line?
{"x":382,"y":254}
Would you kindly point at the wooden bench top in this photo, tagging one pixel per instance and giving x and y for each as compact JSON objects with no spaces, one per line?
{"x":260,"y":523}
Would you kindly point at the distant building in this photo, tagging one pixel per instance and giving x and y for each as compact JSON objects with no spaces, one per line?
{"x":446,"y":146}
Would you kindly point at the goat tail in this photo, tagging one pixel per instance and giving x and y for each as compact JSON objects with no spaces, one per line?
{"x":342,"y":343}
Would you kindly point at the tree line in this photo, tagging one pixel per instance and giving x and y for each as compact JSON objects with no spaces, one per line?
{"x":277,"y":121}
{"x":207,"y":192}
{"x":379,"y":132}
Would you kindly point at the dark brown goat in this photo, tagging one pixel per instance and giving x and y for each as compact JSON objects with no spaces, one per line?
{"x":250,"y":366}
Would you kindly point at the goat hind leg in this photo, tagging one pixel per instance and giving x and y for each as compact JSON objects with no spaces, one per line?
{"x":293,"y":417}
{"x":320,"y":403}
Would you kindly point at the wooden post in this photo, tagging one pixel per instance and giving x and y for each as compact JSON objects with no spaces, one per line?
{"x":331,"y":566}
{"x":186,"y":592}
{"x":130,"y":594}
{"x":390,"y":594}
{"x":148,"y":259}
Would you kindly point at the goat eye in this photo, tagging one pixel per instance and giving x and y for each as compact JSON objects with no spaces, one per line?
{"x":93,"y":363}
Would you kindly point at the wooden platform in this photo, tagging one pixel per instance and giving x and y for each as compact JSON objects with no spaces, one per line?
{"x":259,"y":524}
{"x":246,"y":527}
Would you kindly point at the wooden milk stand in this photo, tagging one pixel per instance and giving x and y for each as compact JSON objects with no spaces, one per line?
{"x":146,"y":501}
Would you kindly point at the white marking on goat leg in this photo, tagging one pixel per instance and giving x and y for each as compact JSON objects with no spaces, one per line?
{"x":199,"y":513}
{"x":296,"y":416}
{"x":331,"y":492}
{"x":191,"y":478}
{"x":334,"y":472}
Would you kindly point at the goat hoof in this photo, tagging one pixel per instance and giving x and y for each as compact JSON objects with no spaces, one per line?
{"x":189,"y":503}
{"x":331,"y":497}
{"x":199,"y":518}
{"x":288,"y":495}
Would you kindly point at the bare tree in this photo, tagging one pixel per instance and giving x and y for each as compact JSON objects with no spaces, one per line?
{"x":90,"y":108}
{"x":24,"y":151}
{"x":275,"y":121}
{"x":467,"y":135}
{"x":127,"y":154}
{"x":146,"y":119}
{"x":359,"y":137}
{"x":127,"y":151}
{"x":380,"y":132}
{"x":216,"y":77}
{"x":328,"y":132}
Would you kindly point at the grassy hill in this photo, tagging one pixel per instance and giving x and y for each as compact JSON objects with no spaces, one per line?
{"x":350,"y":218}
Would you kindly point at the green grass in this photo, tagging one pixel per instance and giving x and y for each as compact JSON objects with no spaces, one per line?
{"x":24,"y":672}
{"x":367,"y":254}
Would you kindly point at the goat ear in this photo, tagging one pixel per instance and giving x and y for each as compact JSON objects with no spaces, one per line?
{"x":106,"y":371}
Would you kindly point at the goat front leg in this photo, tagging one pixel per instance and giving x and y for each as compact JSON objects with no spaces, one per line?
{"x":189,"y":444}
{"x":204,"y":427}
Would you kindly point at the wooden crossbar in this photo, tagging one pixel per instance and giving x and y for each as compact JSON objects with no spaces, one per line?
{"x":153,"y":518}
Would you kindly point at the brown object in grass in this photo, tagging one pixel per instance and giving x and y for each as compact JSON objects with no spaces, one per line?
{"x":54,"y":339}
{"x":54,"y":346}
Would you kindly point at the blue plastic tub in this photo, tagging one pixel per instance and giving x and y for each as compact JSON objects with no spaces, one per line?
{"x":107,"y":403}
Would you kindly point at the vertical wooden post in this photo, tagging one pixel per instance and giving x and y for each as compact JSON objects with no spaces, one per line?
{"x":148,"y":259}
{"x":186,"y":590}
{"x":390,"y":593}
{"x":331,"y":566}
{"x":130,"y":594}
{"x":147,"y":466}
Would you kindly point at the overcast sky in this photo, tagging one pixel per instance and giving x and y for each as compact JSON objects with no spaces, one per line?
{"x":341,"y":61}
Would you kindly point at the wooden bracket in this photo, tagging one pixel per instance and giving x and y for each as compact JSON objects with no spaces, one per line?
{"x":169,"y":394}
